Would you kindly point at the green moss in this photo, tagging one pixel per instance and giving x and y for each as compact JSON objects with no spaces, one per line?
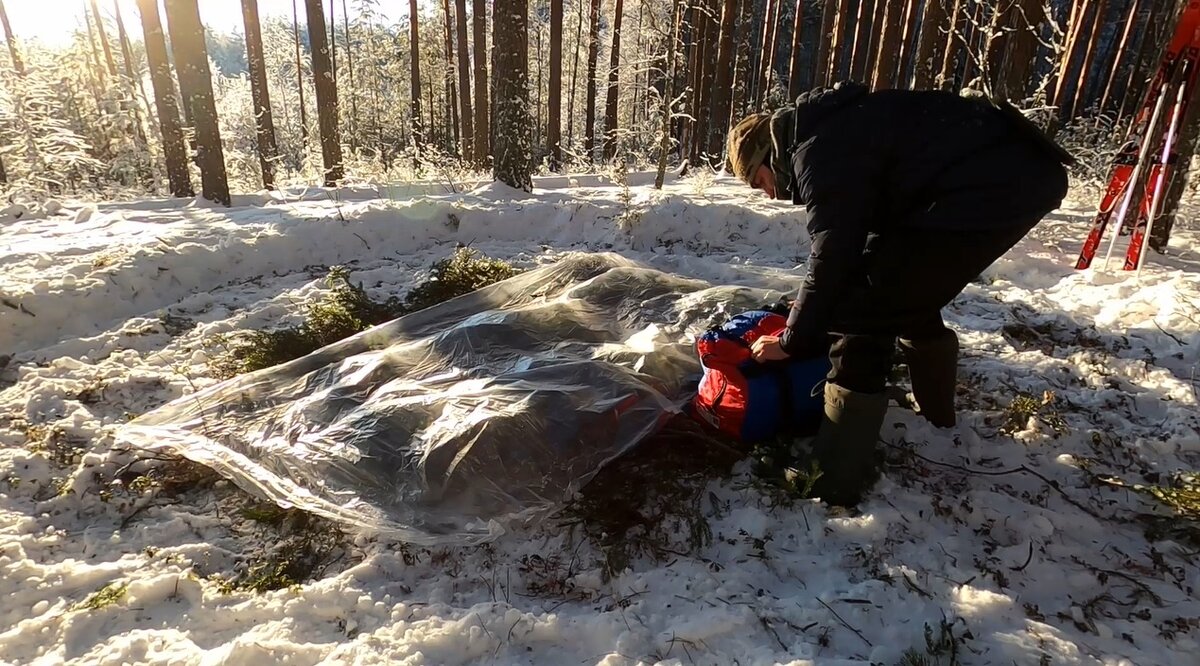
{"x":107,"y":595}
{"x":347,"y":310}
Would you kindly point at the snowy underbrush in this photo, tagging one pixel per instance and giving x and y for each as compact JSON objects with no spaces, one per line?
{"x":1056,"y":524}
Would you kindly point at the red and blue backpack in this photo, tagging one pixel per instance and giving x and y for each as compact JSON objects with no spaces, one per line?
{"x":754,"y":401}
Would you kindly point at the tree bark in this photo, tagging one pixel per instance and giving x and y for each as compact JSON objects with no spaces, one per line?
{"x":267,"y":151}
{"x":741,"y":101}
{"x":18,"y":64}
{"x":510,"y":66}
{"x":1022,"y":54}
{"x":483,"y":136}
{"x":96,"y":63}
{"x":771,"y":36}
{"x":821,"y":63}
{"x":793,"y":86}
{"x":664,"y":139}
{"x":195,"y":86}
{"x":908,"y":45}
{"x":841,"y":44}
{"x":299,"y":75}
{"x":574,"y":76}
{"x":327,"y":98}
{"x":722,"y":83}
{"x":876,"y":31}
{"x":861,"y":58}
{"x":889,"y":46}
{"x":554,"y":127}
{"x":353,"y":89}
{"x":174,"y":151}
{"x":1122,"y":46}
{"x":451,"y":85}
{"x":1079,"y":13}
{"x":127,"y":59}
{"x":955,"y":23}
{"x":332,"y":44}
{"x":414,"y":42}
{"x":610,"y":99}
{"x":593,"y":55}
{"x":1089,"y":56}
{"x":108,"y":56}
{"x":464,"y":82}
{"x":936,"y":19}
{"x":1147,"y":40}
{"x":707,"y":73}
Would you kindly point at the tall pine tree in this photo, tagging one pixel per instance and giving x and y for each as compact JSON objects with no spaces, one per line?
{"x":510,"y":67}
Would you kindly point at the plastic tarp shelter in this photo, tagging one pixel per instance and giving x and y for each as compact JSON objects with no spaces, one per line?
{"x":449,"y":424}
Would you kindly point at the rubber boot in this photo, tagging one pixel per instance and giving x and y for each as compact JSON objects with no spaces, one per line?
{"x":933,"y":368}
{"x":845,"y":446}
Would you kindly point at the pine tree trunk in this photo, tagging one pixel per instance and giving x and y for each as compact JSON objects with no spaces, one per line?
{"x":353,"y":89}
{"x":772,"y":46}
{"x":908,"y":43}
{"x":889,"y":46}
{"x":793,"y":87}
{"x":722,"y":83}
{"x":841,"y":45}
{"x":108,"y":56}
{"x":862,"y":40}
{"x":18,"y":64}
{"x":195,"y":86}
{"x":1122,"y":47}
{"x":574,"y":76}
{"x":483,"y":136}
{"x":510,"y":66}
{"x":956,"y":23}
{"x":134,"y":82}
{"x":1147,"y":38}
{"x":743,"y":32}
{"x":610,"y":100}
{"x":464,"y":82}
{"x":589,"y":128}
{"x":687,"y":147}
{"x":96,"y":64}
{"x":299,"y":75}
{"x":1089,"y":57}
{"x":935,"y":20}
{"x":327,"y":99}
{"x":1079,"y":12}
{"x":664,"y":139}
{"x":418,"y":138}
{"x":708,"y":59}
{"x":554,"y":128}
{"x":821,"y":63}
{"x":451,"y":85}
{"x":174,"y":151}
{"x":876,"y":29}
{"x":1022,"y":55}
{"x":267,"y":151}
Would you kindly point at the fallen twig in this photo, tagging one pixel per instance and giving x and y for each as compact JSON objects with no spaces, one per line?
{"x":846,"y":624}
{"x":1005,"y":472}
{"x":1027,"y":560}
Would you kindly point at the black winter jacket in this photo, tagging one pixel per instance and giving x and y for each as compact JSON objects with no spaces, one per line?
{"x":884,"y":162}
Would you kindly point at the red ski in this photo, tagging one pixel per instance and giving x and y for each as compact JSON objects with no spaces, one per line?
{"x":1156,"y":185}
{"x":1124,"y":173}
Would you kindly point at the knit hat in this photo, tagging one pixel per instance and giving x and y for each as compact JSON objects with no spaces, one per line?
{"x":749,"y":144}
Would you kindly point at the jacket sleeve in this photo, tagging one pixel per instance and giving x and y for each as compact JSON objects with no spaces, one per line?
{"x":843,"y":192}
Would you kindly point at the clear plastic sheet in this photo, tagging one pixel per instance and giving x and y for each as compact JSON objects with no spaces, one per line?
{"x":445,"y":425}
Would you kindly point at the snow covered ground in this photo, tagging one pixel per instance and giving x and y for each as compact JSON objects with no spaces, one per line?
{"x":999,"y":532}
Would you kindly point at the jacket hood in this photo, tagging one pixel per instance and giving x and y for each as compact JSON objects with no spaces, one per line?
{"x":797,"y":123}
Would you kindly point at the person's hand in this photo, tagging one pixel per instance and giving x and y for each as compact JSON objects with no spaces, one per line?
{"x":767,"y":348}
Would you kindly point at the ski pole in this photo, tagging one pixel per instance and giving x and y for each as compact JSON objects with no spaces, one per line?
{"x":1162,"y":177}
{"x":1137,"y":171}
